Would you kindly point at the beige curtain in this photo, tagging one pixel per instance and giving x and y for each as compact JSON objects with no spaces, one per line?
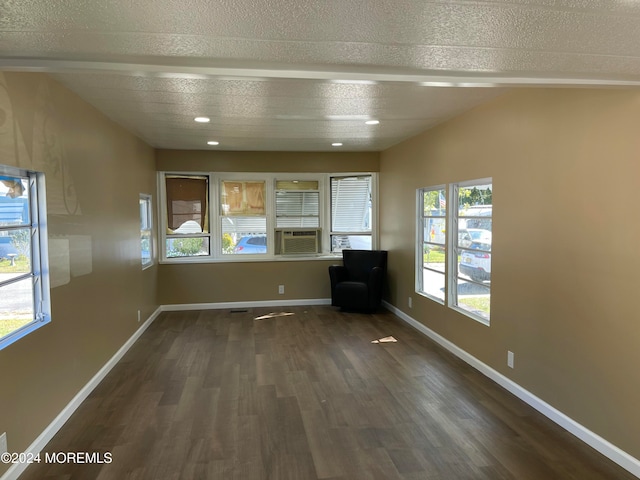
{"x":187,"y":200}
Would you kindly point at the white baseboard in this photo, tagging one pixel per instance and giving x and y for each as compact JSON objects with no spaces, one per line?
{"x":262,"y":303}
{"x":39,"y":443}
{"x":606,"y":448}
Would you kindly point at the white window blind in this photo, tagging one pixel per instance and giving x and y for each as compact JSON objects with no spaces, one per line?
{"x":297,"y":209}
{"x":351,"y":204}
{"x":244,"y":225}
{"x":351,"y":213}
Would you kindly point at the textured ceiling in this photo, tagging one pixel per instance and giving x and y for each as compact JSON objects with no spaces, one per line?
{"x":299,"y":75}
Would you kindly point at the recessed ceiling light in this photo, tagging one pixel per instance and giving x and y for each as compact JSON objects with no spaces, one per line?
{"x":355,"y":82}
{"x":437,"y":84}
{"x":202,"y":119}
{"x":372,"y":122}
{"x":347,"y":117}
{"x":213,"y":142}
{"x":336,"y":144}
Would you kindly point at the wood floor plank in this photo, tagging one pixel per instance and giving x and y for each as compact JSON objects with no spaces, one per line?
{"x":306,"y":393}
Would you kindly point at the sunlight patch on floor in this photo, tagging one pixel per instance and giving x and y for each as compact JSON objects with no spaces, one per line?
{"x":385,"y":340}
{"x":273,"y":315}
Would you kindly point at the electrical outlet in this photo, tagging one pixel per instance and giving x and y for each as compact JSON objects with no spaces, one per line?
{"x":510,"y":359}
{"x":138,"y":315}
{"x":3,"y":443}
{"x":281,"y":289}
{"x":410,"y":302}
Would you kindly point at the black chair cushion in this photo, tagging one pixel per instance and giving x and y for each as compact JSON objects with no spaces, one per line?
{"x":358,"y":283}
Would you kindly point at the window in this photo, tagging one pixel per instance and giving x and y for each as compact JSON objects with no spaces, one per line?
{"x":297,"y":203}
{"x":432,"y":243}
{"x":471,"y":287}
{"x":187,"y":220}
{"x":263,"y":215}
{"x":24,"y":280}
{"x":454,"y":265}
{"x":298,"y":217}
{"x":146,"y":239}
{"x":351,"y":213}
{"x":243,"y":217}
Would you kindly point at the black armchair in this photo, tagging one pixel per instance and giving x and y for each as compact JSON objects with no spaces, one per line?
{"x":358,"y":283}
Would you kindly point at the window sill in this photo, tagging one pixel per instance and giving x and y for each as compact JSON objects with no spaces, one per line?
{"x":473,"y":316}
{"x":253,"y":259}
{"x":430,"y":297}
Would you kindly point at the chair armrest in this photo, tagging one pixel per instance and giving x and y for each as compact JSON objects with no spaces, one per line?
{"x":376,"y":281}
{"x":337,"y":274}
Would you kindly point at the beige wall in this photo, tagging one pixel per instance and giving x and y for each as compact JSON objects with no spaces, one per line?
{"x":220,"y":161}
{"x":566,"y":176}
{"x":244,"y":282}
{"x":252,"y":281}
{"x":565,"y":173}
{"x":94,"y":174}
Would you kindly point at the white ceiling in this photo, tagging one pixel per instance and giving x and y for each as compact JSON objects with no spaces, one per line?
{"x":299,"y":75}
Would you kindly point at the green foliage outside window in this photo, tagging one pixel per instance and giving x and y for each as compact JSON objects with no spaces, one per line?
{"x":474,"y":196}
{"x":21,"y":241}
{"x":227,"y":243}
{"x":186,"y":246}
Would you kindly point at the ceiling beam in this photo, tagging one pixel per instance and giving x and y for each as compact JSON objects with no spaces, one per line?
{"x":197,"y":69}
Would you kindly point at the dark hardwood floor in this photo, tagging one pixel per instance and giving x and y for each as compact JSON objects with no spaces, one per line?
{"x":305,"y":394}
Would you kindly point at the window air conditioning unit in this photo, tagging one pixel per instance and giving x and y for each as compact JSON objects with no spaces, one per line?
{"x":300,"y":241}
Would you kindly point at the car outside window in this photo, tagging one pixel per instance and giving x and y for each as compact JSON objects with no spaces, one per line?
{"x":454,"y":246}
{"x":471,"y":286}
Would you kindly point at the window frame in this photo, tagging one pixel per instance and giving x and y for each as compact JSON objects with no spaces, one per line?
{"x":270,"y":178}
{"x":216,"y":214}
{"x":373,"y":212}
{"x":146,"y":203}
{"x":453,"y":301}
{"x":420,"y":242}
{"x":453,"y":249}
{"x":319,"y":190}
{"x":163,"y":226}
{"x":40,"y":286}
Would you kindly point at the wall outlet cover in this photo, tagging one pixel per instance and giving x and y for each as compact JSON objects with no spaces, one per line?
{"x":510,"y":359}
